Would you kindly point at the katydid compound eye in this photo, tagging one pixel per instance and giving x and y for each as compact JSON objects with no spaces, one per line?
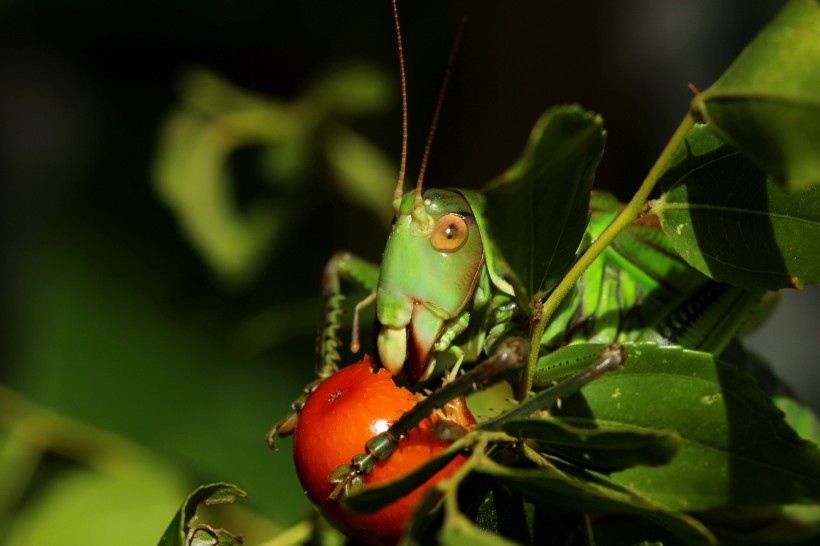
{"x":449,"y":233}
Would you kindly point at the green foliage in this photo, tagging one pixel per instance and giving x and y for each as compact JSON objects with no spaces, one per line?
{"x":736,"y":448}
{"x":216,"y":120}
{"x":733,"y":223}
{"x":539,"y":208}
{"x":660,"y":450}
{"x":597,"y":443}
{"x":680,"y":446}
{"x":106,"y":481}
{"x":767,"y":104}
{"x":186,"y":530}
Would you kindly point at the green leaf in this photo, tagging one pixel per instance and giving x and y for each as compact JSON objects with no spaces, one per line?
{"x":604,"y":446}
{"x":517,"y":518}
{"x":182,"y":532}
{"x":736,"y":448}
{"x":566,"y":493}
{"x":767,"y":103}
{"x":730,"y":222}
{"x":538,"y":209}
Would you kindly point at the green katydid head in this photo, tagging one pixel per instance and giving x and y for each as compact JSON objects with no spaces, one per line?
{"x":432,"y":261}
{"x":429,"y":272}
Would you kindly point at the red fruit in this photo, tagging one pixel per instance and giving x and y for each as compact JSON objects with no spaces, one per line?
{"x":339,"y":417}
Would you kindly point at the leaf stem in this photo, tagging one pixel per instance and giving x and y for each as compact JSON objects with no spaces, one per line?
{"x":627,"y":215}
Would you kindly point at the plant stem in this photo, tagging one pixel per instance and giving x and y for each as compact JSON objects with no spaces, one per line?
{"x":628,"y":214}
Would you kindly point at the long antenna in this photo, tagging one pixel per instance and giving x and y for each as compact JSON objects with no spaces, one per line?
{"x":439,"y":102}
{"x":399,"y":192}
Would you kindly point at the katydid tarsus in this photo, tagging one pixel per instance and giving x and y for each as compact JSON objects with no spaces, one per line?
{"x":444,"y":293}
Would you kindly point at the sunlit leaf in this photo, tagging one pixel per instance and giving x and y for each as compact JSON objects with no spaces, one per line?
{"x":767,"y":103}
{"x":538,"y":209}
{"x":729,"y":221}
{"x":736,"y":448}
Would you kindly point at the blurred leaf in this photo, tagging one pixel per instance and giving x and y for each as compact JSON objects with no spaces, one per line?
{"x":356,"y":89}
{"x":283,"y":166}
{"x":800,"y":417}
{"x":104,"y":339}
{"x":207,"y":94}
{"x":365,"y":176}
{"x":601,"y":445}
{"x":183,"y":532}
{"x":736,"y":448}
{"x":732,"y":223}
{"x":191,"y":175}
{"x":85,"y":506}
{"x":97,"y":485}
{"x":540,"y":206}
{"x":216,"y":120}
{"x":767,"y":103}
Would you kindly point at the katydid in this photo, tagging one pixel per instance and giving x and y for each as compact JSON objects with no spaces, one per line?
{"x":433,"y":299}
{"x":443,"y":292}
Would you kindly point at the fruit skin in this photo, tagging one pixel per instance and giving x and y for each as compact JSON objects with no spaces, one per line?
{"x":339,"y":417}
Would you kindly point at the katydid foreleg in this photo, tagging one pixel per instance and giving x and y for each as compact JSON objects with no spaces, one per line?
{"x":510,"y":356}
{"x":348,"y":268}
{"x":343,"y":268}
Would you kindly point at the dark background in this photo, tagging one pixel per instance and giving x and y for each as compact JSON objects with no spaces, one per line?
{"x":111,"y":317}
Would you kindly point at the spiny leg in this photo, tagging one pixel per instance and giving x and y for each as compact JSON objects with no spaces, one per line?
{"x":511,"y":355}
{"x":343,"y":268}
{"x":348,"y":478}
